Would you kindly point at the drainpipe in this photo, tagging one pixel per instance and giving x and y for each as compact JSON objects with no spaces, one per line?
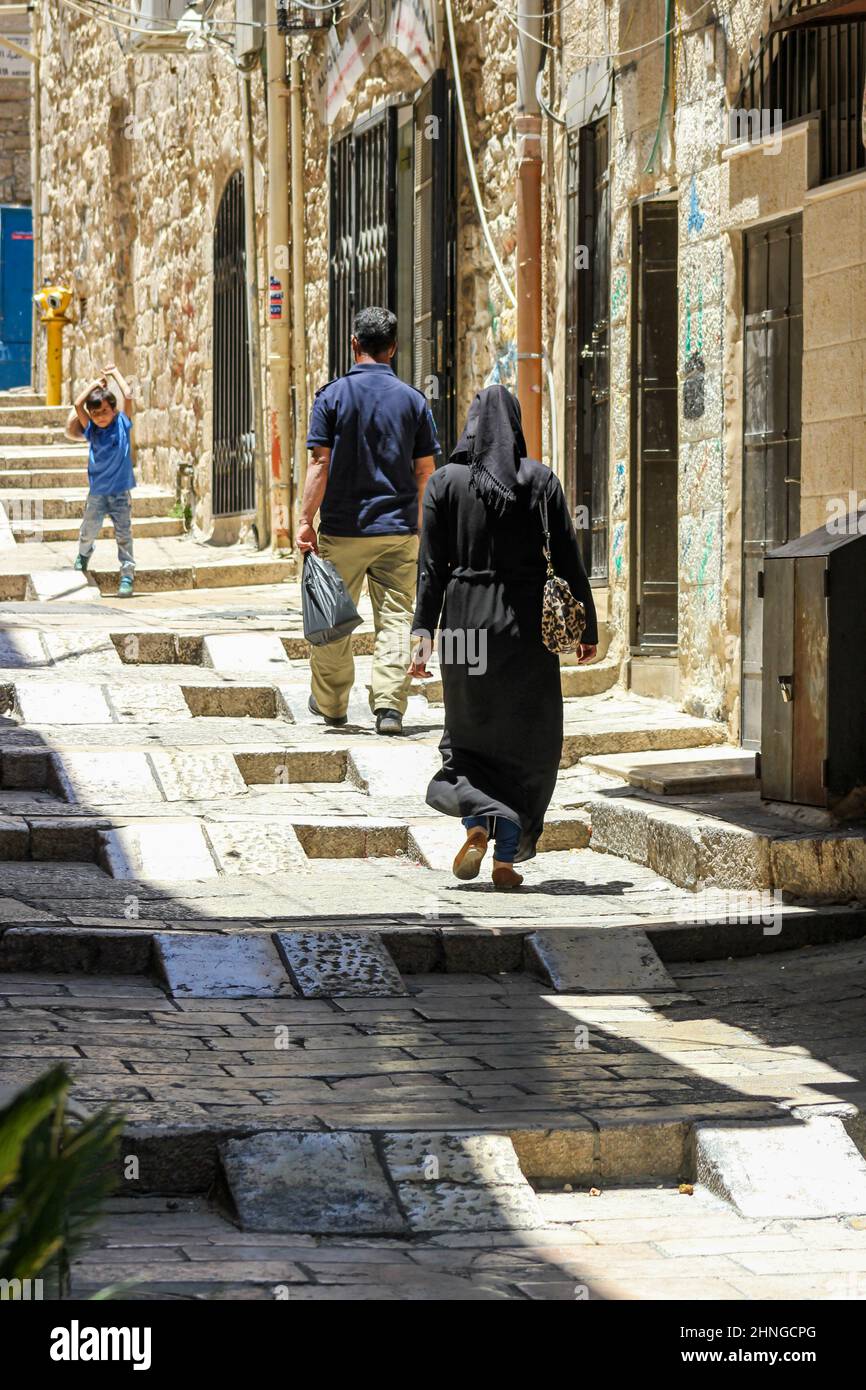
{"x":263,"y":481}
{"x":527,"y":126}
{"x":298,"y":316}
{"x":279,"y":336}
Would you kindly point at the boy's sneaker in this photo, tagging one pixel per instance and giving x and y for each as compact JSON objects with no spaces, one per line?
{"x":124,"y":589}
{"x":81,"y":563}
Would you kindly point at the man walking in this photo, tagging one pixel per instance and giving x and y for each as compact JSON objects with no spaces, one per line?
{"x":373,"y":443}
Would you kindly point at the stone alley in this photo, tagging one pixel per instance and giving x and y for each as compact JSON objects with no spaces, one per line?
{"x":238,"y":926}
{"x":525,"y":332}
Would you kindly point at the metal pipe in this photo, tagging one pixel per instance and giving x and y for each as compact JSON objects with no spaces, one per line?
{"x":279,"y":335}
{"x":263,"y":481}
{"x":529,"y":172}
{"x":298,"y":316}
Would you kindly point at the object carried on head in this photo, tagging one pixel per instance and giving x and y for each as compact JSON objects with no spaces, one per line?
{"x":329,"y":612}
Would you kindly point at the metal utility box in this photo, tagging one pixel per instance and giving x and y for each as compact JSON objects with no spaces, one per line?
{"x":813,"y":734}
{"x":16,"y":290}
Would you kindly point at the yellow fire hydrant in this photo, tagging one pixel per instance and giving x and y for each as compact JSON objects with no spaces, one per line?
{"x":53,"y":301}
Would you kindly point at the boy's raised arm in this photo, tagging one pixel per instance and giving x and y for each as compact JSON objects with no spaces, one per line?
{"x":111,"y":370}
{"x":82,"y":419}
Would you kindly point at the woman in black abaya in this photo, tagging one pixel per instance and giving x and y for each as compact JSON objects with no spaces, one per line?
{"x":481,"y":570}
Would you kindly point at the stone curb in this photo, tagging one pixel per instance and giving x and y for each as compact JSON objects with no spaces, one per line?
{"x":431,"y":950}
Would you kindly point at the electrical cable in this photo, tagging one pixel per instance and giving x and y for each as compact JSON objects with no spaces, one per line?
{"x":470,"y":161}
{"x":110,"y":6}
{"x":666,"y":80}
{"x":593,"y":57}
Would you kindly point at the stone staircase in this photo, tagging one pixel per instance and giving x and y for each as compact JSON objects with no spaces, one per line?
{"x":43,"y":489}
{"x":43,"y":478}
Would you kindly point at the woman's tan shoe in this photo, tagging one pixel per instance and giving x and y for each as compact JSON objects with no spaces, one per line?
{"x":504,"y":876}
{"x":468,"y":861}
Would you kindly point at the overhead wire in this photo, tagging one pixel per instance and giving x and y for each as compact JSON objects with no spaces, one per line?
{"x":594,"y":57}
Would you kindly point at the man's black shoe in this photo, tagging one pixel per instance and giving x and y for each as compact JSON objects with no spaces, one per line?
{"x":336,"y":721}
{"x":389,"y":721}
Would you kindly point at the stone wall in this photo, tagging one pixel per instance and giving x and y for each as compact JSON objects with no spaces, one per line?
{"x":486,"y":329}
{"x":14,"y":111}
{"x":689,"y":164}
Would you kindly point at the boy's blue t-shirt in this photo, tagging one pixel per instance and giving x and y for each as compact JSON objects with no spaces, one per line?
{"x":109,"y":467}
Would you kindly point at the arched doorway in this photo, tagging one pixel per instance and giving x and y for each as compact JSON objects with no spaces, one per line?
{"x":234,"y":486}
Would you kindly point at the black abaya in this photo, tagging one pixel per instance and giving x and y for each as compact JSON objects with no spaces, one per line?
{"x":484,"y":573}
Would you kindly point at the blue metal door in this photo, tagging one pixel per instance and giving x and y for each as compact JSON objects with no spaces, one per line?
{"x":16,"y":291}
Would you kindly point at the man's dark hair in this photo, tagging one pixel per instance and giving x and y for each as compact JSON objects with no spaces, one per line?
{"x":375,"y":330}
{"x":97,"y":396}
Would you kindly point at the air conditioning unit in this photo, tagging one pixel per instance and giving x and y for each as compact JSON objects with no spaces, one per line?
{"x":156,"y":26}
{"x":250,"y":27}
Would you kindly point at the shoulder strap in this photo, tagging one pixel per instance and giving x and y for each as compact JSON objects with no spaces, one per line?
{"x":544,"y":523}
{"x":546,"y":529}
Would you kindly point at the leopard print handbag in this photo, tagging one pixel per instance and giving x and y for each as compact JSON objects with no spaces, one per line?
{"x":563,"y":617}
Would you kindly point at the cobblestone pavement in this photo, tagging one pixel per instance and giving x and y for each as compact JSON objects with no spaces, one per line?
{"x":748,"y":1039}
{"x":160,"y":772}
{"x":163,"y":752}
{"x":625,"y":1243}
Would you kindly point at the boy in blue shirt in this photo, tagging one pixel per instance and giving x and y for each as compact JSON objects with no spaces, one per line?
{"x":110,"y":476}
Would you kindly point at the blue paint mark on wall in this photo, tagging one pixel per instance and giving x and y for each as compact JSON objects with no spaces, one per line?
{"x":696,"y":217}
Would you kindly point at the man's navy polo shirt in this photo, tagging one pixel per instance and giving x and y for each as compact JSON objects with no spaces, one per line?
{"x":375,"y":426}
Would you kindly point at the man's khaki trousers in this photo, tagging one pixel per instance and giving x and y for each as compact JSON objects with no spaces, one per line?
{"x":389,"y":564}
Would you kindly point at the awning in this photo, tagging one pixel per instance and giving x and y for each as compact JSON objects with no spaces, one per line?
{"x":830,"y":12}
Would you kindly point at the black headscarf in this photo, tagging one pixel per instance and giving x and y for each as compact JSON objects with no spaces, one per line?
{"x":493,"y":446}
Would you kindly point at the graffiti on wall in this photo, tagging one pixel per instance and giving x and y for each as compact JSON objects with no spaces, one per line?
{"x":618,"y":293}
{"x":696,"y":217}
{"x":617,"y":547}
{"x":694,"y":368}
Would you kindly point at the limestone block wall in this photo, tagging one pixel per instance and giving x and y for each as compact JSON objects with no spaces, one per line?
{"x":686,"y":162}
{"x":136,"y":151}
{"x":14,"y":112}
{"x":486,"y":330}
{"x":834,"y":352}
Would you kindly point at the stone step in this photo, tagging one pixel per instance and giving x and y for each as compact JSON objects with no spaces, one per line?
{"x":166,"y":648}
{"x":576,"y":680}
{"x":30,"y":435}
{"x":67,"y":503}
{"x":41,"y":585}
{"x":156,"y":526}
{"x":801,"y":1169}
{"x":343,"y":1183}
{"x":33,"y":416}
{"x":57,"y":701}
{"x":682,"y":771}
{"x":25,"y":460}
{"x":434,"y":843}
{"x":28,"y":400}
{"x":42,"y":477}
{"x":733,"y":844}
{"x":627,"y":733}
{"x":615,"y":961}
{"x":217,"y":575}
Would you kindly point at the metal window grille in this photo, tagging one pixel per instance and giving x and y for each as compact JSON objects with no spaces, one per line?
{"x":233,"y":430}
{"x":818,"y":70}
{"x":362,"y":268}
